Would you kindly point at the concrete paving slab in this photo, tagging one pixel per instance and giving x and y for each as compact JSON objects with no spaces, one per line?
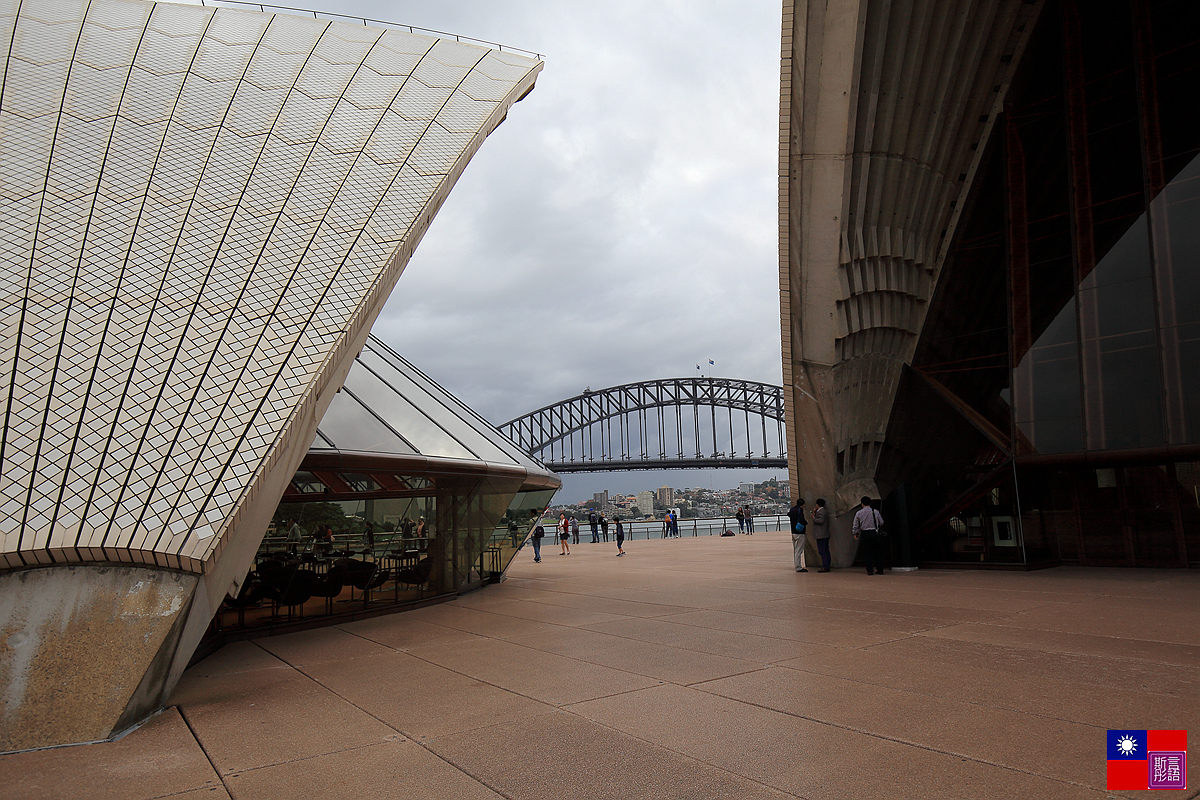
{"x":321,"y":644}
{"x":1103,"y":672}
{"x":159,"y":759}
{"x":1185,"y":655}
{"x":547,"y":677}
{"x":420,"y":699}
{"x":733,"y":644}
{"x":648,"y":659}
{"x":364,"y":772}
{"x":1069,"y":695}
{"x":270,"y":717}
{"x":483,"y":623}
{"x":948,"y":725}
{"x":413,"y":633}
{"x":770,"y":747}
{"x":564,"y":757}
{"x":551,"y":614}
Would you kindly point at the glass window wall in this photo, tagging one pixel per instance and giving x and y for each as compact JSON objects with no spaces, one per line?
{"x":365,"y":541}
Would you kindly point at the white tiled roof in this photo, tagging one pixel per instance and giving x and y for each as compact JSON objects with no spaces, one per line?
{"x":201,"y":212}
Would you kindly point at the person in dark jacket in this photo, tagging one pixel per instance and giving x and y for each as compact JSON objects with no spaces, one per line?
{"x":536,"y":538}
{"x":820,"y":532}
{"x":799,"y":525}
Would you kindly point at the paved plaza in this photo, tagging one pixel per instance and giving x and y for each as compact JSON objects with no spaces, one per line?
{"x":692,"y":668}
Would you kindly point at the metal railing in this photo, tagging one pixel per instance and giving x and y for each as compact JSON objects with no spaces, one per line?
{"x":333,"y":15}
{"x":654,"y":529}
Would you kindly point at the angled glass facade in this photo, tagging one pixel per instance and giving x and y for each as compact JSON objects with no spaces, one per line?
{"x":1050,"y":412}
{"x":405,"y":495}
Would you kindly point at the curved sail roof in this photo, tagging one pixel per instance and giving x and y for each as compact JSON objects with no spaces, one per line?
{"x":202,"y":212}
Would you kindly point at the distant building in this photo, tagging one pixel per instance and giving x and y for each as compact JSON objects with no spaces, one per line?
{"x":645,"y":503}
{"x":601,"y":498}
{"x":666,"y":496}
{"x":746,"y":488}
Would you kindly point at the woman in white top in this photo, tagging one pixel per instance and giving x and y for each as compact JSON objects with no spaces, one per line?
{"x":564,"y":533}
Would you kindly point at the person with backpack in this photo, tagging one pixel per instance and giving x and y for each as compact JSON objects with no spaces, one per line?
{"x":593,"y":523}
{"x":868,"y":523}
{"x":536,"y":538}
{"x":799,"y":525}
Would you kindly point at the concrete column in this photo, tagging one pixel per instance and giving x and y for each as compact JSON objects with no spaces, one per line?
{"x":85,"y":650}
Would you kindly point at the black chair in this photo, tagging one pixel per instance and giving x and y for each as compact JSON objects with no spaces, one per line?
{"x":329,"y":586}
{"x":416,"y":575}
{"x":290,"y":584}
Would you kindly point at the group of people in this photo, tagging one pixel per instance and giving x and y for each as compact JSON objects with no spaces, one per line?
{"x":599,"y":526}
{"x":568,"y":527}
{"x":868,"y":528}
{"x":745,"y":520}
{"x":670,"y":525}
{"x":322,"y":537}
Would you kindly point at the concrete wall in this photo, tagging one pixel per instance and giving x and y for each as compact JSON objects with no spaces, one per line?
{"x":885,"y":106}
{"x":77,"y":643}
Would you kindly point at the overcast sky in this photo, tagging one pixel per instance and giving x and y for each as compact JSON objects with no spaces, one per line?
{"x":619,"y":226}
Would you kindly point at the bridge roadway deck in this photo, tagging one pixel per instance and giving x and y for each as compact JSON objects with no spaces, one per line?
{"x":693,"y":668}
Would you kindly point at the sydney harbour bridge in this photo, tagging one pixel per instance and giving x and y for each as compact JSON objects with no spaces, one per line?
{"x":671,"y":423}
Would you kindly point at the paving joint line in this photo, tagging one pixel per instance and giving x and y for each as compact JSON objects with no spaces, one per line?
{"x":196,"y":738}
{"x":907,"y":743}
{"x":413,"y":739}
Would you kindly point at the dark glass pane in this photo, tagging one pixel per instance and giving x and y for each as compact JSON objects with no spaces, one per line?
{"x":1175,"y":69}
{"x":1047,"y":388}
{"x":1175,"y":214}
{"x":1187,"y":341}
{"x":1123,"y":386}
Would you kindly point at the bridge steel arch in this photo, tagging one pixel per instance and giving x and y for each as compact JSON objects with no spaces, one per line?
{"x":648,"y":425}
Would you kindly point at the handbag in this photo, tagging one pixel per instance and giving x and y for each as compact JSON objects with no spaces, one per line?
{"x":799,"y":528}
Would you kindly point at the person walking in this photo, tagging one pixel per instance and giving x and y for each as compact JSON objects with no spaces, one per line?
{"x":820,"y":532}
{"x":749,"y":521}
{"x":868,"y":523}
{"x":574,"y":531}
{"x":294,"y":536}
{"x":604,"y":527}
{"x":564,"y":533}
{"x":799,"y":525}
{"x":593,"y":524}
{"x":740,"y":516}
{"x":620,"y":535}
{"x":536,"y":538}
{"x":368,"y":539}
